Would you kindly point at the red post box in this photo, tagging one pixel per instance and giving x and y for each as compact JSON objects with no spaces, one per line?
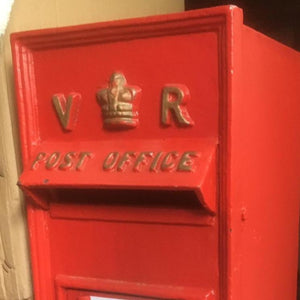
{"x":160,"y":158}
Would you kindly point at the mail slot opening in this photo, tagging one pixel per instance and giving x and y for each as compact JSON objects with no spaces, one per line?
{"x":146,"y":206}
{"x":131,"y":198}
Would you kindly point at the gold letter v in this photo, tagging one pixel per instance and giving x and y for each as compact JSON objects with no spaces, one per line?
{"x":67,"y":109}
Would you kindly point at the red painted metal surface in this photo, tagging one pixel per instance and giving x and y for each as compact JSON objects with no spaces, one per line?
{"x":160,"y":158}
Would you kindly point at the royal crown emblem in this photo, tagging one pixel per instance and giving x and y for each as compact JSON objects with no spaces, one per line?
{"x":119,"y":103}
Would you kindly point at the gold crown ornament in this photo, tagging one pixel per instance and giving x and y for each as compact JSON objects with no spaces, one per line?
{"x":119,"y":103}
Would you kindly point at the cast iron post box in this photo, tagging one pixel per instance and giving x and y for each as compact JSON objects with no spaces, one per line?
{"x":160,"y":158}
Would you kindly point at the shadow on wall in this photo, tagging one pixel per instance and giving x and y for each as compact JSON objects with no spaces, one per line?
{"x":277,"y":19}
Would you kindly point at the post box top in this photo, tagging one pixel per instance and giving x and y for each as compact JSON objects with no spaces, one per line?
{"x":89,"y":33}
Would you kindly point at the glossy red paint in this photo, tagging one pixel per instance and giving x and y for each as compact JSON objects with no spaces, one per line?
{"x":129,"y":201}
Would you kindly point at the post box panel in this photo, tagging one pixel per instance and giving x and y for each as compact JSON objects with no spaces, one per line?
{"x":159,"y":127}
{"x":123,"y":134}
{"x":77,"y":288}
